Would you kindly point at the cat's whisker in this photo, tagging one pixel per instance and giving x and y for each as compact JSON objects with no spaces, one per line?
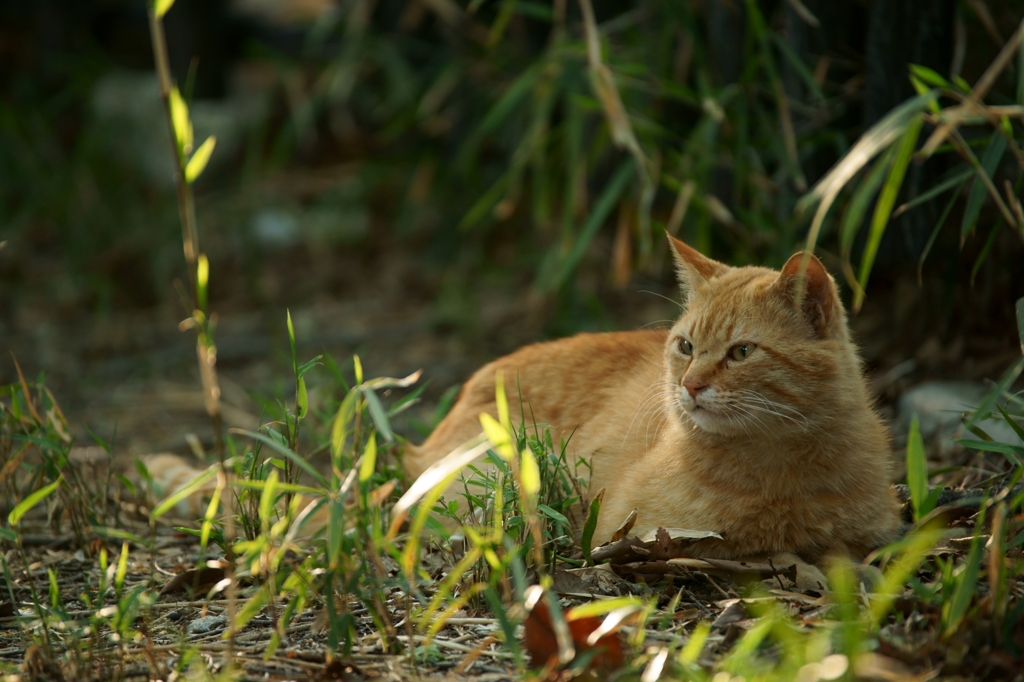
{"x":806,"y":425}
{"x":769,"y":402}
{"x":655,"y":293}
{"x":664,"y":418}
{"x":653,"y":411}
{"x":803,"y":423}
{"x":642,"y":403}
{"x":773,"y":405}
{"x":754,"y":419}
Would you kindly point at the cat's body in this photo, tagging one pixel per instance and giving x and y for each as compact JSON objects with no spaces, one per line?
{"x":749,"y":418}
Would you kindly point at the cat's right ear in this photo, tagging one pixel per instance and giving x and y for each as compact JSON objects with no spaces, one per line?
{"x":692,"y":267}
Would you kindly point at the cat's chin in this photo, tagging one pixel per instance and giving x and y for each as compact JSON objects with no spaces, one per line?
{"x":708,"y":420}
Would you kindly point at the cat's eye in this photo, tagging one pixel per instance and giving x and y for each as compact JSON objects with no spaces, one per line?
{"x":742,"y":351}
{"x":685,"y":347}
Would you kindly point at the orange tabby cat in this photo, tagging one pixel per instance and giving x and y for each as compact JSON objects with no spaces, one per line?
{"x":750,"y":417}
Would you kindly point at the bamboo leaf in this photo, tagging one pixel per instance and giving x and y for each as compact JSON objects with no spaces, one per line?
{"x":529,"y":474}
{"x":195,"y":166}
{"x":553,"y":514}
{"x":31,"y":501}
{"x":357,"y":366}
{"x":369,"y":462}
{"x":181,"y":123}
{"x":501,"y":400}
{"x":202,"y":280}
{"x":886,"y":201}
{"x":304,"y":369}
{"x":195,"y":484}
{"x":160,"y":7}
{"x":929,"y":76}
{"x":858,"y":207}
{"x":935,"y":191}
{"x":122,"y":568}
{"x":267,"y":496}
{"x":877,"y":138}
{"x":498,"y":435}
{"x":284,"y":450}
{"x":377,"y":413}
{"x":339,"y":429}
{"x":435,"y":476}
{"x":989,"y":162}
{"x":600,"y":608}
{"x":301,"y":398}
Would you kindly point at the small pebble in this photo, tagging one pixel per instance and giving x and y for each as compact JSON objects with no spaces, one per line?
{"x":174,"y":615}
{"x":207,"y":624}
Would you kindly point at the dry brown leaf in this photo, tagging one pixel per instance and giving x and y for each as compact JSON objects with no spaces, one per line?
{"x":195,"y":581}
{"x":625,"y":526}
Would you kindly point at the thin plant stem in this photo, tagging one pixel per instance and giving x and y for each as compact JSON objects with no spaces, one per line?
{"x":205,"y":350}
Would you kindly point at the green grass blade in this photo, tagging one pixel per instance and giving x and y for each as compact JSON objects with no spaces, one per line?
{"x":1011,"y":451}
{"x":1017,"y":428}
{"x":917,"y":470}
{"x":798,"y":65}
{"x":291,"y":340}
{"x":985,"y":407}
{"x":935,"y":191}
{"x":954,"y":610}
{"x":502,"y":109}
{"x":287,"y":452}
{"x":935,"y":232}
{"x":500,"y":612}
{"x":587,"y":539}
{"x":1020,"y":70}
{"x":612,"y":191}
{"x":989,"y":161}
{"x":1020,"y":322}
{"x":884,"y":206}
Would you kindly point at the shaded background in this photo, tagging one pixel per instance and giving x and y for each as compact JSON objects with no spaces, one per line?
{"x":432,"y":183}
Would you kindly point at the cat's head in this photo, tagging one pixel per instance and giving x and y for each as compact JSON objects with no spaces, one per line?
{"x":758,"y":351}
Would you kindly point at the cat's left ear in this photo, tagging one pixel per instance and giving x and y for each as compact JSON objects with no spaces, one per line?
{"x":693,"y":267}
{"x":816,"y":292}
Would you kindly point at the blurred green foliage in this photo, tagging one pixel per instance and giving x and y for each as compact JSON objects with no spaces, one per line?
{"x":539,"y":138}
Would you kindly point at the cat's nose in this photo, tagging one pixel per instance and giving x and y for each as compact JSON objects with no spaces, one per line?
{"x":694,"y":386}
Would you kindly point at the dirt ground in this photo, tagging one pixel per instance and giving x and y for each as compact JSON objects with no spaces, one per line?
{"x":129,"y":376}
